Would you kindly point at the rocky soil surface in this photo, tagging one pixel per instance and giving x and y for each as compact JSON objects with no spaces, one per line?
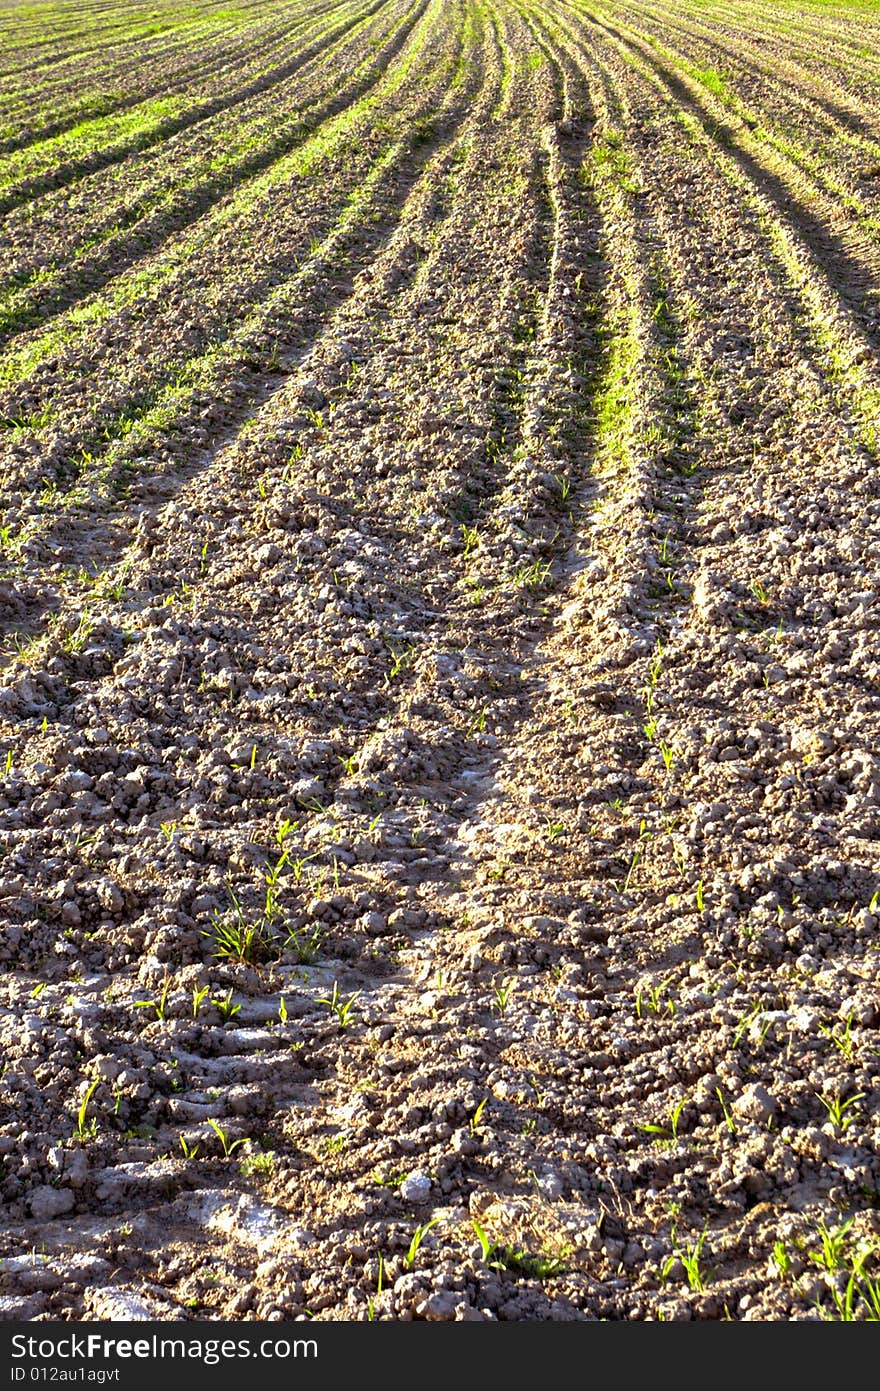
{"x":440,"y":705}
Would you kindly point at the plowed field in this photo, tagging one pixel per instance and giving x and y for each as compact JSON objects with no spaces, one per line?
{"x":440,"y":645}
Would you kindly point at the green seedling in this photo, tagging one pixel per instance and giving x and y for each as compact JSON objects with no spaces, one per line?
{"x":843,"y":1041}
{"x":644,"y":836}
{"x":725,"y":1111}
{"x":690,"y":1257}
{"x":839,"y":1110}
{"x":189,"y":1151}
{"x":497,"y":1256}
{"x":649,"y":1000}
{"x":83,"y":1129}
{"x":401,"y":658}
{"x":553,"y":829}
{"x":830,"y":1256}
{"x":298,"y":867}
{"x":284,"y":829}
{"x":157,"y":1005}
{"x":258,"y":1164}
{"x":340,"y":1007}
{"x":229,"y":1148}
{"x":477,"y":723}
{"x":198,"y":999}
{"x":533,"y":577}
{"x":392,"y":1181}
{"x":477,"y":1116}
{"x":701,"y":902}
{"x":667,"y":753}
{"x":669,"y":1131}
{"x":419,"y":1235}
{"x":237,"y":938}
{"x":744,"y":1024}
{"x":304,"y":944}
{"x":859,"y":1301}
{"x":471,"y":539}
{"x":282,"y":1011}
{"x":781,"y":1259}
{"x":502,"y":994}
{"x":225,"y":1005}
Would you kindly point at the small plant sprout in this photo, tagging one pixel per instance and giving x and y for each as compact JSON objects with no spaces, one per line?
{"x":690,"y":1257}
{"x":840,"y":1112}
{"x":830,"y":1255}
{"x":497,"y":1256}
{"x":667,"y":753}
{"x":236,"y":937}
{"x":781,"y":1260}
{"x":225,"y":1005}
{"x":419,"y":1235}
{"x":341,"y":1008}
{"x":841,"y":1038}
{"x":84,"y":1128}
{"x":553,"y":829}
{"x":198,"y":998}
{"x":189,"y":1151}
{"x":644,"y":836}
{"x":669,"y":1131}
{"x":476,"y":724}
{"x":401,"y":658}
{"x":261,"y":1163}
{"x":282,"y":1011}
{"x":502,"y":994}
{"x":759,"y":592}
{"x":746,"y":1019}
{"x":471,"y":539}
{"x":700,"y":898}
{"x":533,"y":577}
{"x":229,"y":1148}
{"x":392,"y":1181}
{"x":489,"y":1249}
{"x":305,"y":943}
{"x":477,"y":1117}
{"x":649,"y":1000}
{"x":284,"y":829}
{"x":858,"y":1302}
{"x":157,"y":1005}
{"x":725,"y":1111}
